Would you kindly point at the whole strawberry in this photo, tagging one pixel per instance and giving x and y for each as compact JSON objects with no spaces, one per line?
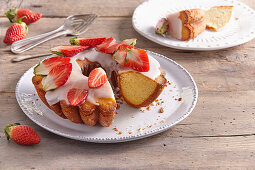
{"x":15,"y":32}
{"x":30,"y":17}
{"x":21,"y":134}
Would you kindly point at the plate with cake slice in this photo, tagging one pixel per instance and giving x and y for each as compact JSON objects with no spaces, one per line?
{"x":195,"y":24}
{"x":98,"y":90}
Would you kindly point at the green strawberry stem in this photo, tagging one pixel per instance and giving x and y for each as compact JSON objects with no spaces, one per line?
{"x":7,"y":130}
{"x":163,"y":29}
{"x":19,"y":21}
{"x":73,"y":41}
{"x":11,"y":14}
{"x":57,"y":53}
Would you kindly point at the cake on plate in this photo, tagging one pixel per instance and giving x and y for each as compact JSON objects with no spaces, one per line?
{"x":80,"y":83}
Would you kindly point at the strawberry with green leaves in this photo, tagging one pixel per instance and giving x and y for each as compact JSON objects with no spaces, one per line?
{"x":43,"y":68}
{"x":21,"y":134}
{"x":77,"y":96}
{"x":15,"y":32}
{"x":132,"y":57}
{"x":162,"y":26}
{"x":29,"y":16}
{"x":97,"y":78}
{"x":91,"y":42}
{"x":68,"y":50}
{"x":57,"y":77}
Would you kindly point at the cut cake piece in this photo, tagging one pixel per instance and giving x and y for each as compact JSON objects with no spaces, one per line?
{"x":217,"y":17}
{"x":139,"y":90}
{"x":187,"y":24}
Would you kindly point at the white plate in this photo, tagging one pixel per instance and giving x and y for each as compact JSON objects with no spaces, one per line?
{"x":133,"y":123}
{"x":239,"y":30}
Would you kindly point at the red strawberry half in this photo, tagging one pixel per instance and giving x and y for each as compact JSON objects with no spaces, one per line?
{"x":97,"y":78}
{"x":15,"y":32}
{"x":106,"y":44}
{"x":57,"y":77}
{"x":29,"y":16}
{"x":129,"y":56}
{"x":91,"y":42}
{"x":114,"y":47}
{"x":68,"y":50}
{"x":47,"y":65}
{"x":21,"y":134}
{"x":77,"y":96}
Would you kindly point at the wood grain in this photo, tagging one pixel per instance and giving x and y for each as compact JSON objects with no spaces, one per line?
{"x":219,"y":134}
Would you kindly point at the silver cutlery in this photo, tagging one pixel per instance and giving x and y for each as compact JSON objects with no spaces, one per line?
{"x":73,"y":25}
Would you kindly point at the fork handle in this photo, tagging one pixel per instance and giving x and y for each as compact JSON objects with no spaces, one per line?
{"x":25,"y":57}
{"x":28,"y":43}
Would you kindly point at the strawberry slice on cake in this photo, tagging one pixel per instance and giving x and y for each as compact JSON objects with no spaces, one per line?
{"x":77,"y":96}
{"x":91,"y":42}
{"x":68,"y":50}
{"x":57,"y":77}
{"x":47,"y":65}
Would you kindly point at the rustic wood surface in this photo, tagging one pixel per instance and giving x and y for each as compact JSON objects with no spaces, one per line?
{"x":219,"y":134}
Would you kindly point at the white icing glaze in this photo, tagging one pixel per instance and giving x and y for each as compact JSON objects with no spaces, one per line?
{"x":78,"y":80}
{"x":175,"y":25}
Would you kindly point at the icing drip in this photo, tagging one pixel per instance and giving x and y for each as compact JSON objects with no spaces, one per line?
{"x":175,"y":25}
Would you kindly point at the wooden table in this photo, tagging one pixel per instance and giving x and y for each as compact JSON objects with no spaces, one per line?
{"x":220,"y":132}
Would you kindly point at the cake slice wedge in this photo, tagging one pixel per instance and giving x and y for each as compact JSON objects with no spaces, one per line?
{"x":139,"y":90}
{"x":217,"y":17}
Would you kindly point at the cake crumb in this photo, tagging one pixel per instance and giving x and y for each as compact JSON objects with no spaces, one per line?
{"x":148,"y":108}
{"x":236,"y":18}
{"x":180,"y":99}
{"x":140,"y":129}
{"x":162,"y":121}
{"x":120,"y":132}
{"x":115,"y":129}
{"x":132,"y":116}
{"x":149,"y":126}
{"x":161,"y":110}
{"x":129,"y":132}
{"x":142,"y":111}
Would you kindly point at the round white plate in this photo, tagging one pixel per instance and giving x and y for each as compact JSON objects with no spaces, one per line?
{"x":130,"y":123}
{"x":239,"y":30}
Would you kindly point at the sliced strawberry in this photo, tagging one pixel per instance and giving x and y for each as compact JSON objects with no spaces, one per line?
{"x":106,"y":44}
{"x":97,"y":78}
{"x":68,"y":50}
{"x":114,"y":47}
{"x":57,"y":77}
{"x":162,"y":26}
{"x":76,"y":96}
{"x":91,"y":42}
{"x":47,"y":65}
{"x":121,"y":53}
{"x":129,"y":56}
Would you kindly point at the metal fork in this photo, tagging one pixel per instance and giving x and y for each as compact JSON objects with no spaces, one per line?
{"x":73,"y":25}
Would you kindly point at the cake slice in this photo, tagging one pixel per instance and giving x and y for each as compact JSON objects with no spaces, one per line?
{"x":217,"y":17}
{"x":139,"y":90}
{"x":183,"y":25}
